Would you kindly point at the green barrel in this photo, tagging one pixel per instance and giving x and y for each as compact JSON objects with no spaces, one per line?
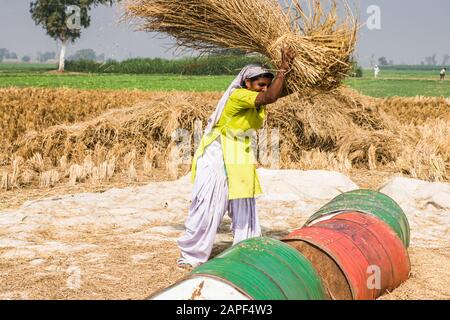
{"x":369,"y":202}
{"x":266,"y":269}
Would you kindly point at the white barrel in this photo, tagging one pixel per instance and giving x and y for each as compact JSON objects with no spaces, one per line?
{"x":200,"y":288}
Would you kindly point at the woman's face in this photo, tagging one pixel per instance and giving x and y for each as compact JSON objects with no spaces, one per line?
{"x":258,"y":85}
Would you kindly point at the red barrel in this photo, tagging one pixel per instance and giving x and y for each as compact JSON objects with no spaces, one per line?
{"x":368,"y":254}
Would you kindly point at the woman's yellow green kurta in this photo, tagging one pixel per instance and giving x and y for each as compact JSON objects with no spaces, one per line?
{"x":238,"y":121}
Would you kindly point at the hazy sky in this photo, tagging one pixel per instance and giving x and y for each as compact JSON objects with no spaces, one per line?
{"x":410,"y":30}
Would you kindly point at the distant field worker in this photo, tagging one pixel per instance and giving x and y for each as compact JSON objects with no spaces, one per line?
{"x":376,"y":71}
{"x":223,"y":168}
{"x":442,"y":73}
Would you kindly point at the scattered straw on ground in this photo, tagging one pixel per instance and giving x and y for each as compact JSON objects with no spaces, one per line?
{"x":430,"y":276}
{"x":35,"y":109}
{"x":121,"y":244}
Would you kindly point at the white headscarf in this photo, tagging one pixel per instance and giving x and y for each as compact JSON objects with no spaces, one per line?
{"x":249,"y":71}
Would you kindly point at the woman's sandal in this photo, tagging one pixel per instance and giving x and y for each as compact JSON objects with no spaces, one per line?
{"x":184,"y":265}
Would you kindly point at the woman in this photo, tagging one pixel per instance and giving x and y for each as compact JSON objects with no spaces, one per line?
{"x":223,"y":169}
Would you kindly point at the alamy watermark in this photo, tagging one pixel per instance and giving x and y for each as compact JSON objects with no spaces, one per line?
{"x":73,"y":21}
{"x":239,"y":147}
{"x":373,"y":22}
{"x":74,"y":280}
{"x":374,"y":278}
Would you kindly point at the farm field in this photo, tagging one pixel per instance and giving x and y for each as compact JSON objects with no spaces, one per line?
{"x":87,"y":185}
{"x":400,"y":83}
{"x":26,"y":67}
{"x":390,"y":82}
{"x":224,"y":150}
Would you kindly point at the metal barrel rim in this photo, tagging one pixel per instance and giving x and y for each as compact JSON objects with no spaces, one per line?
{"x":369,"y":202}
{"x":396,"y":260}
{"x":266,"y":271}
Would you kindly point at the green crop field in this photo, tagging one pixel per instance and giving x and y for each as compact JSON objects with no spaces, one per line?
{"x":407,"y":83}
{"x":390,"y":82}
{"x":26,"y":68}
{"x":117,"y":81}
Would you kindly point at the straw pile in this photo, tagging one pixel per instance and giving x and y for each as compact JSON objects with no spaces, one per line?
{"x":323,"y":44}
{"x":332,"y":122}
{"x":23,"y":110}
{"x":126,"y":140}
{"x":416,"y":110}
{"x":338,"y":131}
{"x":119,"y":131}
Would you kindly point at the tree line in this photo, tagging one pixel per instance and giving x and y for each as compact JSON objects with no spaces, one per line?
{"x":83,"y":54}
{"x":431,"y":60}
{"x":205,"y":65}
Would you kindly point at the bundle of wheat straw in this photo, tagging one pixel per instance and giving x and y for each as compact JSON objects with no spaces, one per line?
{"x":323,"y":44}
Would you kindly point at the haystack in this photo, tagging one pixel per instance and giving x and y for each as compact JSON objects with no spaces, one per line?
{"x":341,"y":123}
{"x":337,"y":130}
{"x":26,"y":109}
{"x":323,"y":43}
{"x":337,"y":126}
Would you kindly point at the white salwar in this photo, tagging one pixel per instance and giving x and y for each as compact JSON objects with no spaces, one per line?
{"x":209,"y":205}
{"x":210,"y":195}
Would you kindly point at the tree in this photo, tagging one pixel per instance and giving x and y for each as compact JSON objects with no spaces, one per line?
{"x":63,"y":19}
{"x":372,"y":60}
{"x":6,"y":54}
{"x":43,"y":57}
{"x":101,"y":58}
{"x":382,"y":61}
{"x":3,"y":53}
{"x":26,"y":59}
{"x":84,"y":54}
{"x":431,"y":60}
{"x":445,"y":59}
{"x":356,"y":70}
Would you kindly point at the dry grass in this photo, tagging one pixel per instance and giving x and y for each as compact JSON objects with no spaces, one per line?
{"x":429,"y":276}
{"x":340,"y":130}
{"x":416,"y":110}
{"x":428,"y":156}
{"x":323,"y":42}
{"x":36,"y":109}
{"x":126,"y":140}
{"x":425,"y":125}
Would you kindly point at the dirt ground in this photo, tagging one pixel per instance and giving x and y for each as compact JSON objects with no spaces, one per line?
{"x":122,"y":253}
{"x":117,"y":269}
{"x":126,"y":271}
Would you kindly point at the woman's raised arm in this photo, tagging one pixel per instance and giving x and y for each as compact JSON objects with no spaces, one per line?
{"x":277,"y":88}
